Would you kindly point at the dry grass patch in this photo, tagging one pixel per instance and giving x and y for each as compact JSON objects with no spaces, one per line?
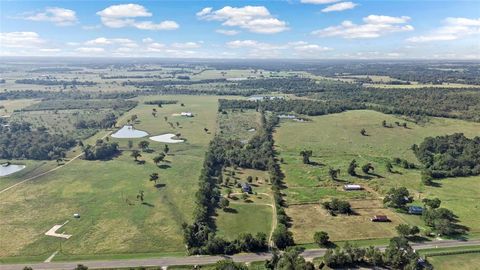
{"x":310,"y":218}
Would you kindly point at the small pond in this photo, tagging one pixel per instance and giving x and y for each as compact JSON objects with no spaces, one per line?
{"x":128,"y":132}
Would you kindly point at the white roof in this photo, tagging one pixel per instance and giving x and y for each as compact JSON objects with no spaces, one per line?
{"x":352,"y":186}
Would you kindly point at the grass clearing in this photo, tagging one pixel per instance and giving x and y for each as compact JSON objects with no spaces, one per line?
{"x":336,"y":140}
{"x":310,"y":218}
{"x":243,"y":218}
{"x":104,"y":193}
{"x":469,"y":261}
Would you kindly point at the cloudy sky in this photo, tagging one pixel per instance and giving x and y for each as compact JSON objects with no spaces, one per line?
{"x":311,"y":29}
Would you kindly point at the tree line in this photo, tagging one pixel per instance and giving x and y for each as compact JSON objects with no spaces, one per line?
{"x":200,"y":236}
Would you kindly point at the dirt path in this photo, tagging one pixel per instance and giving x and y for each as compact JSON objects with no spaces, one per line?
{"x":49,"y":171}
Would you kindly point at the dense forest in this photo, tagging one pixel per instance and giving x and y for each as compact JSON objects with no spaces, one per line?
{"x":20,"y":141}
{"x":108,"y":121}
{"x":299,"y":106}
{"x":450,"y":155}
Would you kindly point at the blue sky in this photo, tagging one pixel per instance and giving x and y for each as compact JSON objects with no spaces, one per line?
{"x":311,"y":29}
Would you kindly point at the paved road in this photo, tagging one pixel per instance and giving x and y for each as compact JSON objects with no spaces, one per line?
{"x":201,"y":260}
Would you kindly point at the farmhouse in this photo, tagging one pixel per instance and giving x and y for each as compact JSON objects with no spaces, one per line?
{"x":415,"y":210}
{"x":186,"y":114}
{"x":380,"y":218}
{"x":246,"y":188}
{"x":352,"y":187}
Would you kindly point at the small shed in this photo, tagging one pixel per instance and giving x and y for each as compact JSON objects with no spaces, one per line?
{"x":246,"y":188}
{"x":415,"y":210}
{"x":76,"y":215}
{"x":186,"y":114}
{"x":352,"y":187}
{"x":380,"y":218}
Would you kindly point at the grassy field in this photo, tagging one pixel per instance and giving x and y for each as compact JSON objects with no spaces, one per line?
{"x":9,"y":106}
{"x":335,"y":140}
{"x":112,"y":220}
{"x":310,"y":218}
{"x":239,"y":125}
{"x":469,"y":261}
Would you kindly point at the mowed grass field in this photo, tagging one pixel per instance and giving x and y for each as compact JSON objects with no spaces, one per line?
{"x":310,"y":218}
{"x":104,"y":193}
{"x":335,"y":140}
{"x":469,"y":261}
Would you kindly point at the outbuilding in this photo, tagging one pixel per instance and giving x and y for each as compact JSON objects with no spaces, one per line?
{"x":246,"y":188}
{"x":186,"y":114}
{"x":380,"y":218}
{"x":352,"y":187}
{"x":415,"y":210}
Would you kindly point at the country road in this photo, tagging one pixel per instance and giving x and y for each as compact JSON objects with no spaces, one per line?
{"x":202,"y":260}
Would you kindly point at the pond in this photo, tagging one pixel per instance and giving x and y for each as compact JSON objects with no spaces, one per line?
{"x":166,"y":138}
{"x":7,"y":170}
{"x":127,"y":132}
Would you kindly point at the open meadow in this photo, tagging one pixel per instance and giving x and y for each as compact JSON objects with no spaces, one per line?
{"x":336,"y":140}
{"x":104,"y":193}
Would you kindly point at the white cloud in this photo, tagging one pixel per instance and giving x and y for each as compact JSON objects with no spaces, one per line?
{"x":227,"y":32}
{"x":186,"y":45}
{"x":118,"y":16}
{"x":382,"y":19}
{"x":256,"y":19}
{"x":56,"y":15}
{"x":453,"y":29}
{"x":102,"y":41}
{"x":340,"y":7}
{"x":374,"y":26}
{"x":91,"y":27}
{"x":318,"y":2}
{"x":147,"y":40}
{"x":50,"y":50}
{"x":266,"y":50}
{"x":20,"y":40}
{"x":156,"y":47}
{"x":90,"y":50}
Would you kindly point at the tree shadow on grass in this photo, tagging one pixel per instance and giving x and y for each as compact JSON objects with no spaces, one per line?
{"x":364,"y":177}
{"x":316,"y":164}
{"x":140,"y":162}
{"x":376,"y":175}
{"x":164,"y":166}
{"x":418,"y":239}
{"x":148,"y":204}
{"x":159,"y":185}
{"x":230,"y":210}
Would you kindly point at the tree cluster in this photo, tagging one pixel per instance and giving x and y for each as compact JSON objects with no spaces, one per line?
{"x":20,"y":141}
{"x":450,"y":155}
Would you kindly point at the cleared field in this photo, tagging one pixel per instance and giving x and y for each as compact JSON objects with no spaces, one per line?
{"x":244,"y":218}
{"x":239,"y":125}
{"x":310,"y":218}
{"x":336,"y":140}
{"x":112,"y":220}
{"x":17,"y":104}
{"x":470,"y":261}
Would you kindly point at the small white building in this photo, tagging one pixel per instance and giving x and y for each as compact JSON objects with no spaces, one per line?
{"x":186,"y":114}
{"x":352,"y":187}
